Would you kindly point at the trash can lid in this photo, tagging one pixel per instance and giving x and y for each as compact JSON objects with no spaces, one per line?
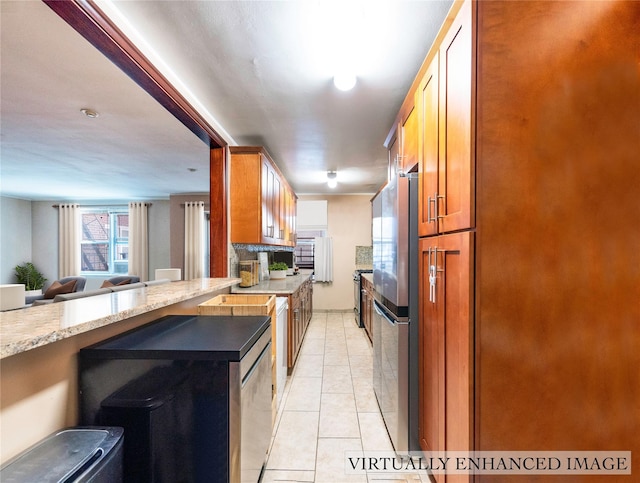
{"x":61,"y":455}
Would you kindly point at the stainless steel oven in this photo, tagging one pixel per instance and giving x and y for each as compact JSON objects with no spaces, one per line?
{"x":357,"y":294}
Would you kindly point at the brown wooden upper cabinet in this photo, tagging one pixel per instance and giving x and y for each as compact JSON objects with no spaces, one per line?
{"x":402,"y":142}
{"x":263,"y":205}
{"x":444,"y":104}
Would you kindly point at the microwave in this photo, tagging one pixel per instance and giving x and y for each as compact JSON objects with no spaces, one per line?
{"x":287,"y":257}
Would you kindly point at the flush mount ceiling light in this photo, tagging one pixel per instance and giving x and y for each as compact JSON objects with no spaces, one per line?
{"x":344,"y":81}
{"x":90,"y":113}
{"x":332,"y":182}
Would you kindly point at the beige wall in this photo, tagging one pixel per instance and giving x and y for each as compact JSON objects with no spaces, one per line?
{"x":349,"y":225}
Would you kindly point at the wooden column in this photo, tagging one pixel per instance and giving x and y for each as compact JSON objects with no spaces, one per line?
{"x":218,"y":244}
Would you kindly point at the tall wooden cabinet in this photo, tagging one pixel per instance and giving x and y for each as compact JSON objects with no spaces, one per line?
{"x":262,"y":205}
{"x":528,"y":166}
{"x":446,"y":112}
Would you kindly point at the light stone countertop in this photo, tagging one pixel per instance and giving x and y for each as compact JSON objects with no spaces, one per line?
{"x":286,"y":286}
{"x":31,"y":327}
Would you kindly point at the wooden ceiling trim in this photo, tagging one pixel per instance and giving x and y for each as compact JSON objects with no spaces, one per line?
{"x":90,"y":22}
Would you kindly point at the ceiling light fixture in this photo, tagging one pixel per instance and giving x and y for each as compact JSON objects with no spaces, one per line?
{"x":332,"y":182}
{"x":344,"y":81}
{"x":90,"y":113}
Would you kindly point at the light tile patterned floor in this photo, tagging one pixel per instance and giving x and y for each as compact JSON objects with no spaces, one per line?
{"x":329,"y":409}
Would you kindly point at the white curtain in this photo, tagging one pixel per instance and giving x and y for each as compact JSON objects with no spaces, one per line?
{"x":194,"y":240}
{"x":323,"y":259}
{"x":138,"y":241}
{"x":68,"y":240}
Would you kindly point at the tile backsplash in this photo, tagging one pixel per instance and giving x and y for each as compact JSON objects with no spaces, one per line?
{"x":364,"y":256}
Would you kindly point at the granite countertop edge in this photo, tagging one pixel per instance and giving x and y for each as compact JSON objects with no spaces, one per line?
{"x":32,"y":327}
{"x":286,"y":286}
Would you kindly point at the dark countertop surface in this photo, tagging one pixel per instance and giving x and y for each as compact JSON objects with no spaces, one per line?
{"x":185,"y":337}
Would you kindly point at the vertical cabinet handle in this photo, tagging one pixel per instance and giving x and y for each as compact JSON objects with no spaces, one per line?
{"x":432,"y":217}
{"x":432,"y":260}
{"x":436,"y":207}
{"x":439,"y":197}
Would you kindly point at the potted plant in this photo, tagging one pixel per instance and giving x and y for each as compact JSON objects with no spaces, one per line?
{"x":278,"y":270}
{"x":31,"y":278}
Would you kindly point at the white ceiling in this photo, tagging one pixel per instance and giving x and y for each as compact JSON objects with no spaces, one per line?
{"x":257,"y":70}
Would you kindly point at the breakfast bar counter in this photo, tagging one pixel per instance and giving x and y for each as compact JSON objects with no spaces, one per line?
{"x":31,"y":327}
{"x":39,"y":349}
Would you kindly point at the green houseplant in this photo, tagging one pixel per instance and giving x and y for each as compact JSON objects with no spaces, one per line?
{"x":278,"y":270}
{"x":30,"y":276}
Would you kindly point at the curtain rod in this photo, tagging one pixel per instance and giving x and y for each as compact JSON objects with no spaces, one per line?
{"x":106,"y":205}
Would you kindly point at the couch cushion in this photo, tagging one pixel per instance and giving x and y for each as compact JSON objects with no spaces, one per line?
{"x":107,"y":284}
{"x":60,"y":288}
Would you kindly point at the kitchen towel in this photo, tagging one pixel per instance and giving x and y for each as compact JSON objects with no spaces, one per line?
{"x":323,"y":259}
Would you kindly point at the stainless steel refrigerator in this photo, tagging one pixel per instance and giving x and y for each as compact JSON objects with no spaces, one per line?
{"x":395,"y":320}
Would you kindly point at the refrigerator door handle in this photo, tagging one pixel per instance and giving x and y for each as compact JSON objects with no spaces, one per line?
{"x":392,"y":322}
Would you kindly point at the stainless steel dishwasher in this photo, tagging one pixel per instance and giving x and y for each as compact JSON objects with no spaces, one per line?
{"x":250,"y":411}
{"x":193,"y":395}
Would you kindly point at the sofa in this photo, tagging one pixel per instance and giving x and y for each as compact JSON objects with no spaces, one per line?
{"x":105,"y":289}
{"x":64,"y":285}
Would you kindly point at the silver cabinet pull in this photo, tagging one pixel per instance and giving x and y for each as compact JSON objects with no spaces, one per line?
{"x":436,"y":211}
{"x":438,"y":197}
{"x":432,"y":199}
{"x":433,"y":272}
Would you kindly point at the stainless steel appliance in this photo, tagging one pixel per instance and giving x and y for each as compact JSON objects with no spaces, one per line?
{"x":395,"y":321}
{"x":193,"y":394}
{"x":254,"y":422}
{"x":282,"y":316}
{"x":357,"y":294}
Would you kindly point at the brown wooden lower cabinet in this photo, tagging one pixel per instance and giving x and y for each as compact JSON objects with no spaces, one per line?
{"x":446,"y":340}
{"x":366,"y":306}
{"x":300,"y":312}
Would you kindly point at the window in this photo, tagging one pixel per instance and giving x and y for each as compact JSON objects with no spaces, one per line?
{"x":305,"y":247}
{"x":105,"y":240}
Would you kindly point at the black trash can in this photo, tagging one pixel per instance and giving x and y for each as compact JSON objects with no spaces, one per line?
{"x":155,"y":412}
{"x":72,"y":455}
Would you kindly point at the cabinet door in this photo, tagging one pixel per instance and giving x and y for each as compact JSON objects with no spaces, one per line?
{"x":276,"y":207}
{"x":267,"y":215}
{"x":409,"y":140}
{"x":456,"y":167}
{"x":430,"y":355}
{"x":394,"y":155}
{"x":293,"y":329}
{"x":446,"y":331}
{"x":428,"y":105}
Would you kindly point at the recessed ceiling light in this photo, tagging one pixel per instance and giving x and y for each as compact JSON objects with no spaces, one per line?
{"x":89,"y":113}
